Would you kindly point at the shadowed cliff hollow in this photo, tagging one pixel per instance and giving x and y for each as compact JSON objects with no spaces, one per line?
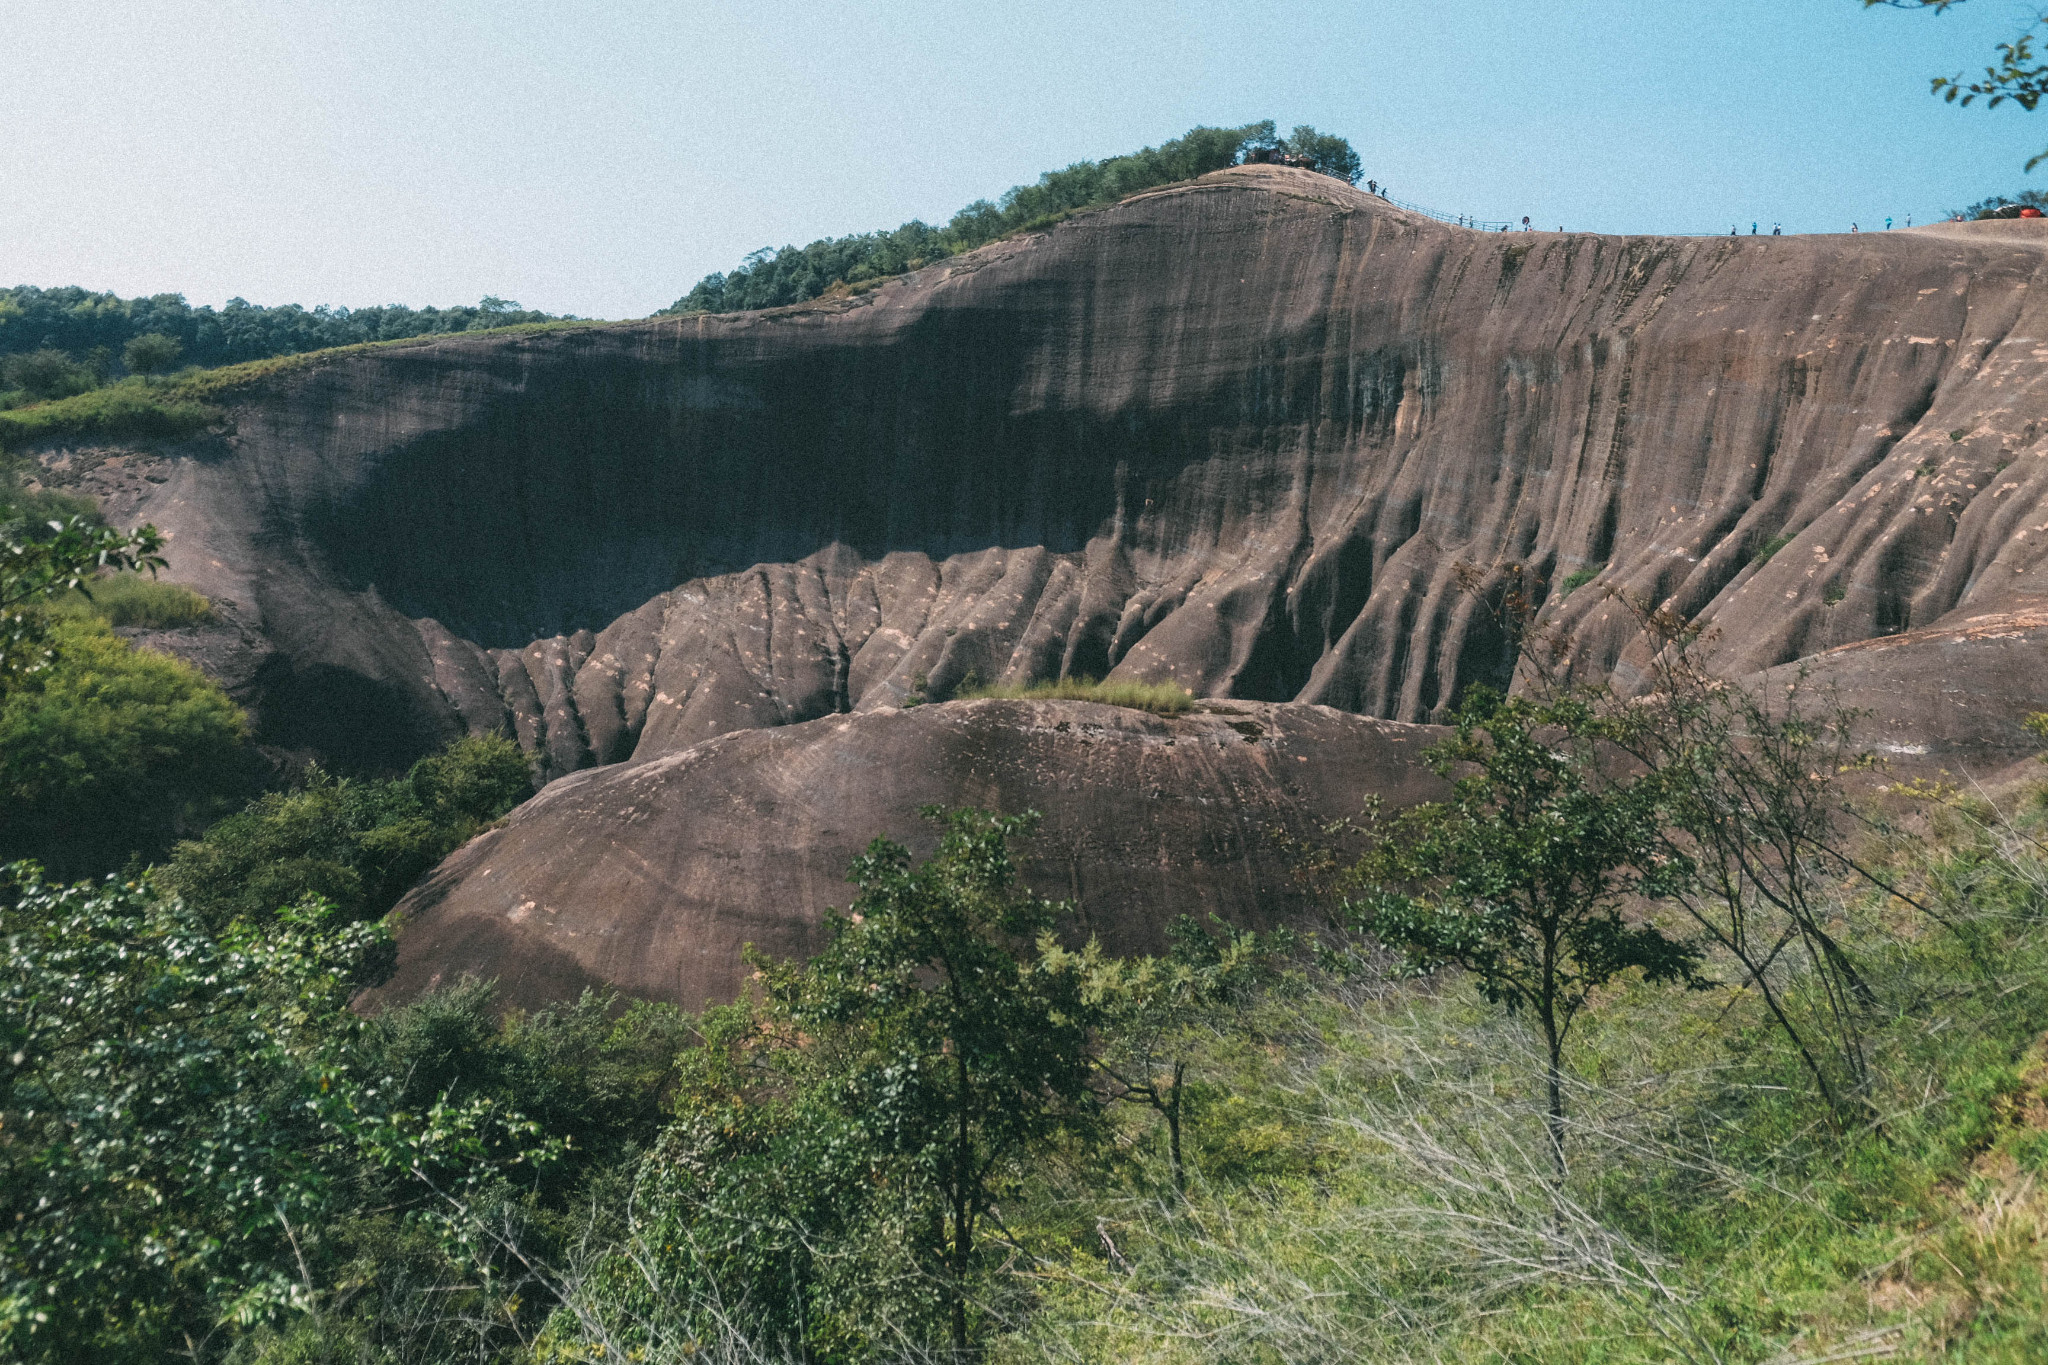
{"x":1239,"y":433}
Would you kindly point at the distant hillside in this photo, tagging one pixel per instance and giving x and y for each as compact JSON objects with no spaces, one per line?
{"x":773,"y":279}
{"x":55,"y":343}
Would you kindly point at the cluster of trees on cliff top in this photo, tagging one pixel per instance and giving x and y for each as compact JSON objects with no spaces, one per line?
{"x":771,"y":279}
{"x":58,"y":342}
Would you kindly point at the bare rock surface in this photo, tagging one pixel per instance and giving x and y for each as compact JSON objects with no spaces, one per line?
{"x":1257,"y":434}
{"x":1240,"y":433}
{"x":651,"y":875}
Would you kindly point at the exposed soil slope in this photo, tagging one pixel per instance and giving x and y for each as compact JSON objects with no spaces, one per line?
{"x":650,"y":876}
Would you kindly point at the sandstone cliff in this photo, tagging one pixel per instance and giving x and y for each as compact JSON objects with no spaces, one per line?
{"x":1247,"y":434}
{"x":1237,"y":433}
{"x":650,"y":876}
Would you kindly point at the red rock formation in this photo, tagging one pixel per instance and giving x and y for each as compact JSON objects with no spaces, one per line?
{"x":1245,"y":434}
{"x":1238,"y":433}
{"x":650,"y":876}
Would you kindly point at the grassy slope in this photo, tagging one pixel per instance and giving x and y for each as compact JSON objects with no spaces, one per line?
{"x":1371,"y":1172}
{"x":184,"y":404}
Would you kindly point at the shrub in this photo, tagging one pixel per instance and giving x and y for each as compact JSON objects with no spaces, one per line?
{"x":35,"y":509}
{"x":127,"y":409}
{"x":359,"y":844}
{"x":201,"y":1140}
{"x":111,"y":752}
{"x":46,"y":373}
{"x":1166,"y":699}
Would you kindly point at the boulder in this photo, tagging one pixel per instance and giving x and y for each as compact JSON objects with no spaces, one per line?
{"x":651,"y":876}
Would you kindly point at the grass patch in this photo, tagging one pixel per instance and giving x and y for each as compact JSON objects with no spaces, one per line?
{"x":1769,"y":548}
{"x":1165,"y":699}
{"x":130,"y":599}
{"x":1579,"y":578}
{"x":1370,"y":1180}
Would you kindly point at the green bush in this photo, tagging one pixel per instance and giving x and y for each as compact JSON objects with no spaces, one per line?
{"x":111,"y":752}
{"x":130,"y":599}
{"x":27,"y":509}
{"x":45,"y":373}
{"x":1166,"y":699}
{"x":200,"y":1144}
{"x":359,"y":844}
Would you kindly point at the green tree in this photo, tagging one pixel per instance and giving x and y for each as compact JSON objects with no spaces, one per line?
{"x":112,"y":752}
{"x":187,"y":1118}
{"x":161,"y":1117}
{"x":770,"y":278}
{"x":1755,"y":814}
{"x":846,"y":1135}
{"x":1324,"y":152}
{"x":1156,"y":1011}
{"x":152,"y":353}
{"x":2020,"y":73}
{"x":1520,"y":877}
{"x":46,"y":373}
{"x":360,"y":844}
{"x":954,"y":1043}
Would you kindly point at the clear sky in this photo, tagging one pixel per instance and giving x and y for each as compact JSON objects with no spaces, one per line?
{"x":598,"y":156}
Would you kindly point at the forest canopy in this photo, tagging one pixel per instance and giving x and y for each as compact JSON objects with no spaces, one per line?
{"x":772,"y":279}
{"x":59,"y":342}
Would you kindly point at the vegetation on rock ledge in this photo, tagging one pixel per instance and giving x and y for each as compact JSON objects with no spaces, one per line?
{"x":1166,"y":699}
{"x":771,"y":279}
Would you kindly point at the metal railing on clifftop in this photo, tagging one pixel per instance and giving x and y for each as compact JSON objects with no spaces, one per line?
{"x":1454,"y":219}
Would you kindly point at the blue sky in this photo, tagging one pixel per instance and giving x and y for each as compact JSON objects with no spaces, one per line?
{"x":597,"y":157}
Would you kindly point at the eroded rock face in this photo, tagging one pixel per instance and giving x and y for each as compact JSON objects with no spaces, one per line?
{"x":1261,"y":435}
{"x":650,"y":876}
{"x":1240,"y":434}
